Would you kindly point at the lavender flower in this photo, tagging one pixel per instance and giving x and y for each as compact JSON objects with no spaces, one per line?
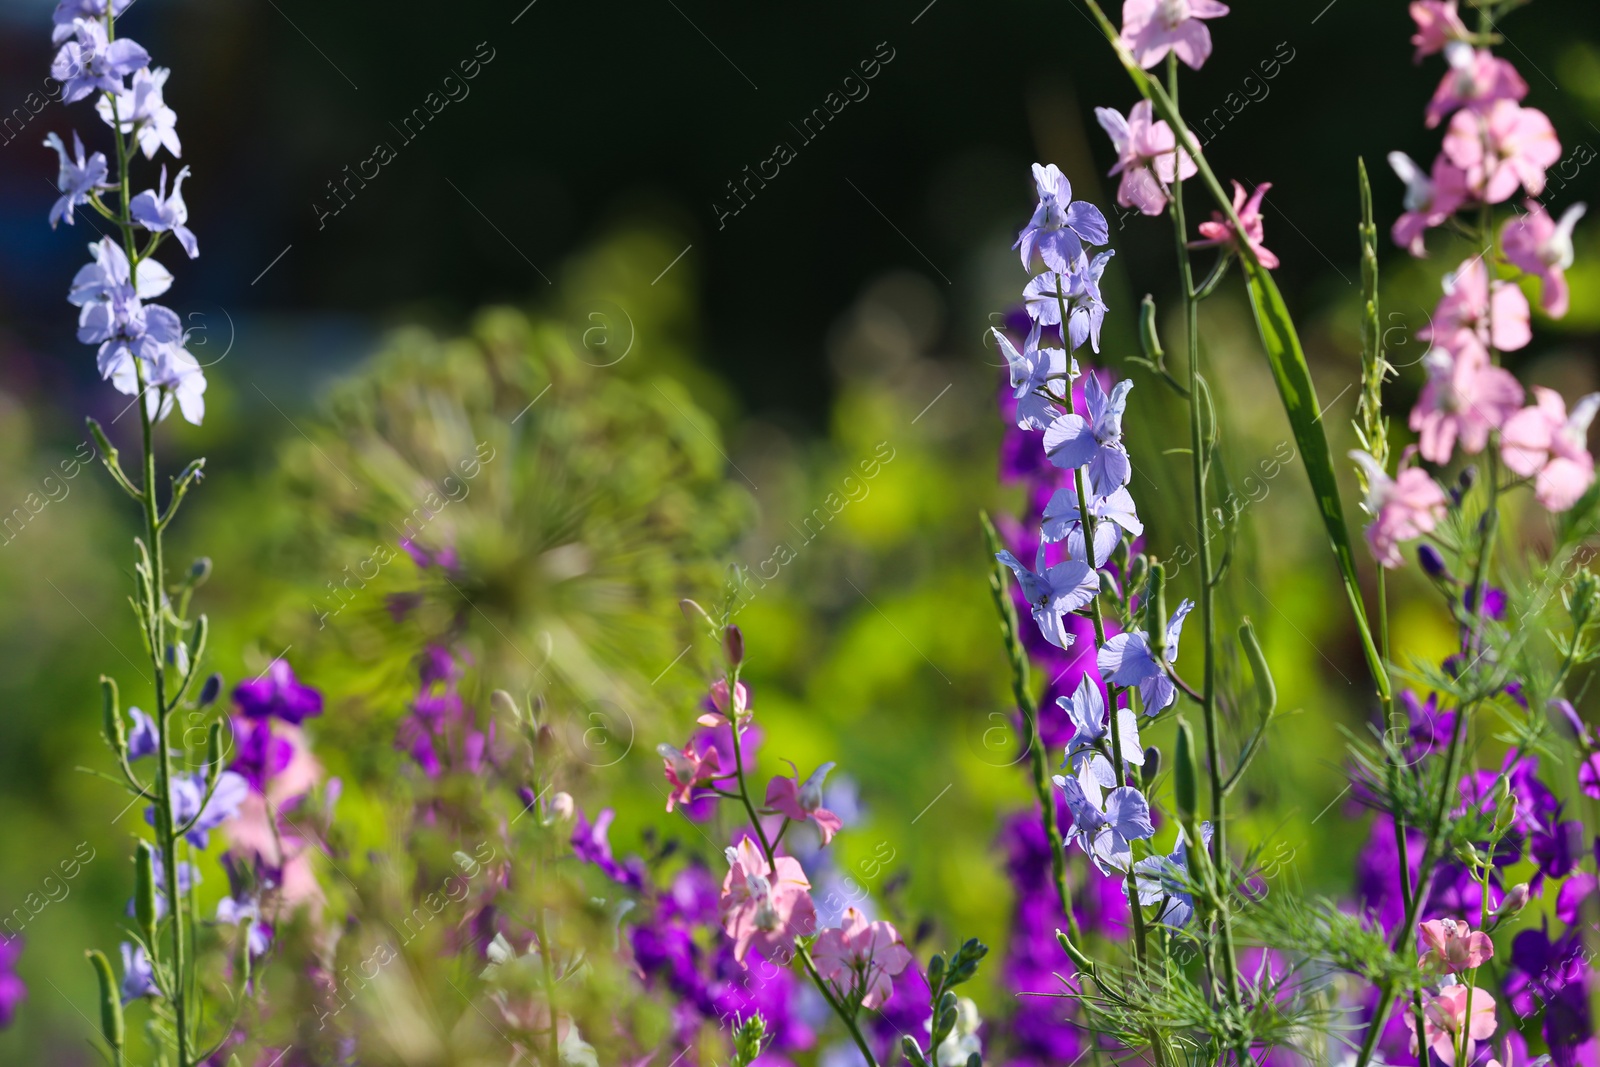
{"x":279,"y":694}
{"x":1127,"y":660}
{"x":1107,"y":835}
{"x":90,"y":61}
{"x":159,"y":212}
{"x":79,"y":178}
{"x":1032,"y":370}
{"x":1053,"y":593}
{"x":1060,"y":226}
{"x":138,"y":977}
{"x":1094,"y":439}
{"x":1114,"y":514}
{"x":1086,"y":708}
{"x":141,"y":109}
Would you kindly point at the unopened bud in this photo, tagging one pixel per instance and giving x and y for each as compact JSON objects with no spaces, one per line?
{"x":562,"y":807}
{"x":1138,"y":571}
{"x":1108,"y":586}
{"x":1152,"y":766}
{"x":200,"y":570}
{"x":1432,"y":562}
{"x":1185,"y":787}
{"x":1155,"y":612}
{"x":695,"y":613}
{"x":1515,"y":900}
{"x":733,"y":645}
{"x":144,"y":890}
{"x":504,"y":704}
{"x":210,"y":689}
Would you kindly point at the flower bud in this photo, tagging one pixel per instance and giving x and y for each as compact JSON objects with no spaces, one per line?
{"x":913,"y":1051}
{"x":733,"y":645}
{"x":213,"y":753}
{"x":110,"y":1000}
{"x":200,"y":570}
{"x":1515,"y":900}
{"x":1185,"y":787}
{"x":1108,"y":586}
{"x":504,"y":704}
{"x":1155,"y":612}
{"x":144,"y":890}
{"x":695,"y":613}
{"x":210,"y":690}
{"x":1138,"y":571}
{"x":1432,"y":562}
{"x":562,"y":807}
{"x":1152,"y":766}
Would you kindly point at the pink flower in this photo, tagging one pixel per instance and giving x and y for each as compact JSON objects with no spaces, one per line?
{"x":1437,"y":25}
{"x":1466,"y":397}
{"x":1445,"y":1016}
{"x":685,"y":770}
{"x":764,"y":907}
{"x":1543,"y":247}
{"x":1148,"y":157}
{"x":867,"y":955}
{"x":1152,"y":28}
{"x":1544,"y":443}
{"x":1403,"y":507}
{"x":804,"y":802}
{"x":1475,"y":80}
{"x":1495,"y":313}
{"x":719,"y":700}
{"x":1430,"y":199}
{"x":1219,"y":231}
{"x":1453,"y":947}
{"x":1507,"y":146}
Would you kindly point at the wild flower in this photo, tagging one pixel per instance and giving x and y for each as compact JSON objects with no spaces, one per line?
{"x":1148,"y":156}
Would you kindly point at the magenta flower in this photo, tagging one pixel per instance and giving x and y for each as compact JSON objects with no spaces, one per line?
{"x":1495,"y":313}
{"x":865,"y":956}
{"x":1430,"y":198}
{"x":277,"y":693}
{"x":1152,"y":28}
{"x":1450,"y":947}
{"x":1060,"y":226}
{"x":1544,"y":443}
{"x":1475,"y":80}
{"x":1438,"y":24}
{"x":1219,"y":232}
{"x":1403,"y":508}
{"x":1445,"y":1016}
{"x":765,"y":907}
{"x":1543,"y":248}
{"x":686,"y":770}
{"x":1466,"y":396}
{"x":1503,"y":148}
{"x":803,"y":802}
{"x":13,"y":990}
{"x":1148,"y":157}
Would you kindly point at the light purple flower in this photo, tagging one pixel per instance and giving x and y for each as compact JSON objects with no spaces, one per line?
{"x":278,"y":693}
{"x":1086,"y":708}
{"x":1078,"y":288}
{"x":172,"y":374}
{"x":1060,"y":226}
{"x":138,"y":978}
{"x":1107,"y":835}
{"x":189,"y":793}
{"x":1094,"y":439}
{"x":108,"y":276}
{"x":1054,"y":593}
{"x":90,"y":61}
{"x":159,"y":212}
{"x":1031,"y":371}
{"x":141,"y":109}
{"x":234,"y":911}
{"x":1126,"y":660}
{"x":78,"y":178}
{"x":69,"y":11}
{"x":142,"y":739}
{"x":1167,"y":878}
{"x":1114,"y":516}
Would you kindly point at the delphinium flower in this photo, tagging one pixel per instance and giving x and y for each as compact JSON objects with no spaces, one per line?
{"x":1148,"y":157}
{"x":1165,"y":882}
{"x":1555,"y":975}
{"x":1094,"y":439}
{"x":442,"y":731}
{"x":13,"y":991}
{"x":802,"y":801}
{"x":1438,"y":24}
{"x":1445,"y":1016}
{"x":277,"y":694}
{"x":1466,"y":398}
{"x":79,"y":178}
{"x":1060,"y":226}
{"x":1106,"y":831}
{"x":1542,"y":248}
{"x":1452,"y":947}
{"x":1547,"y":444}
{"x":1221,"y":233}
{"x":1152,"y":28}
{"x":861,"y":958}
{"x":1128,"y":660}
{"x":1403,"y":508}
{"x":764,"y":905}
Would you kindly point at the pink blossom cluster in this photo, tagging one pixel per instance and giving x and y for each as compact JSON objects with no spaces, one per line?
{"x":1453,"y":948}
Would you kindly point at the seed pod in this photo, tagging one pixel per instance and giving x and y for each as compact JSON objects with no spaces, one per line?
{"x":505,"y":704}
{"x":200,"y":570}
{"x":1073,"y":951}
{"x":144,"y":890}
{"x":1155,"y":612}
{"x":1266,"y":691}
{"x":1184,"y":784}
{"x":213,"y":752}
{"x":111,"y":717}
{"x":110,"y":1000}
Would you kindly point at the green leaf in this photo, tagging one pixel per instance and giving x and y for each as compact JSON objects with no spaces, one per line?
{"x":1299,"y":395}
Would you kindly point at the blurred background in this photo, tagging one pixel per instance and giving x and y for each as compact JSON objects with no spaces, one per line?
{"x":571,"y":256}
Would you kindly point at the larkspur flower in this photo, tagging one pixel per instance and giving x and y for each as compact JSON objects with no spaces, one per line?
{"x":235,"y":911}
{"x":138,"y":977}
{"x":142,"y":739}
{"x":1542,"y":247}
{"x":1466,"y":396}
{"x":69,"y":11}
{"x":279,"y":694}
{"x":1126,"y":660}
{"x":1438,"y":24}
{"x":686,"y":769}
{"x":1093,"y":440}
{"x":1555,"y":974}
{"x":1166,"y":878}
{"x":193,"y":808}
{"x":260,"y":754}
{"x":1152,"y":28}
{"x":1078,"y":293}
{"x":1431,"y":198}
{"x":1054,"y":592}
{"x":739,"y":704}
{"x":1060,"y":225}
{"x":78,"y":179}
{"x":1445,"y":1017}
{"x":862,"y":957}
{"x":90,"y":62}
{"x":1403,"y":508}
{"x":173,"y":375}
{"x":1545,"y":443}
{"x":1148,"y":157}
{"x":765,"y":906}
{"x":1220,"y":233}
{"x":1451,"y":947}
{"x":13,"y":991}
{"x":1114,"y":515}
{"x":1107,"y":834}
{"x":1495,"y":312}
{"x":1032,"y":370}
{"x":592,"y":844}
{"x":1086,"y":709}
{"x":108,"y":277}
{"x":1475,"y":80}
{"x":1508,"y":146}
{"x":802,"y":801}
{"x":141,"y":109}
{"x":160,"y":212}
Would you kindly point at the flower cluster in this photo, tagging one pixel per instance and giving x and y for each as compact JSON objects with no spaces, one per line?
{"x":140,"y":344}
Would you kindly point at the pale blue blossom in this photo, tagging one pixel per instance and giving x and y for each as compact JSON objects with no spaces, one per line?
{"x":1032,"y":370}
{"x":1054,"y":592}
{"x":141,"y":109}
{"x":1114,"y":514}
{"x":1107,"y":835}
{"x":158,"y":211}
{"x":1126,"y":660}
{"x":90,"y":61}
{"x":1167,"y":878}
{"x":1094,"y":439}
{"x":79,"y":177}
{"x":1060,"y":226}
{"x":1086,"y":751}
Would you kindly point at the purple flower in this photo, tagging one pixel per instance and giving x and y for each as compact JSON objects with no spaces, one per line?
{"x":1555,"y":975}
{"x":1075,"y":292}
{"x":591,"y":844}
{"x":1430,"y":728}
{"x":261,"y":755}
{"x":159,"y":212}
{"x":1432,"y":562}
{"x":1167,"y":878}
{"x":1086,"y":708}
{"x":138,"y":978}
{"x":142,"y":110}
{"x":1107,"y":835}
{"x":236,"y":910}
{"x":1558,"y":850}
{"x":189,"y":794}
{"x":142,"y":739}
{"x":78,"y":178}
{"x":277,"y":693}
{"x":1094,"y":439}
{"x":1060,"y":226}
{"x":90,"y":61}
{"x":1114,"y":514}
{"x":1055,"y":593}
{"x":1127,"y":660}
{"x":69,"y":11}
{"x":13,"y":990}
{"x":1032,"y":369}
